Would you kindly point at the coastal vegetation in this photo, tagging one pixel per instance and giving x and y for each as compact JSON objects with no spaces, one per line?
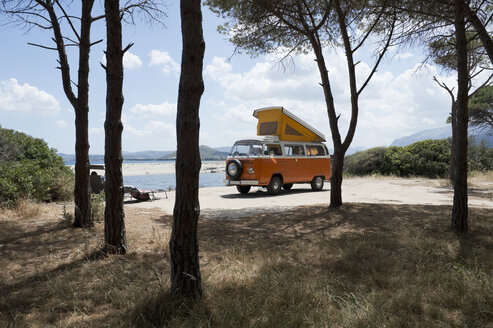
{"x":428,"y":158}
{"x":29,"y":169}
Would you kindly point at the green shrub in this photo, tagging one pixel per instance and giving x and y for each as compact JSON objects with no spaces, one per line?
{"x":429,"y":158}
{"x":30,"y":169}
{"x":366,"y":162}
{"x":397,"y":161}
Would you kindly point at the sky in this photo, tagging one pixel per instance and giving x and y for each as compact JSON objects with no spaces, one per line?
{"x":400,"y":100}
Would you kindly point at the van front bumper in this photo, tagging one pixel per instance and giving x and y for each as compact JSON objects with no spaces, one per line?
{"x":241,"y":182}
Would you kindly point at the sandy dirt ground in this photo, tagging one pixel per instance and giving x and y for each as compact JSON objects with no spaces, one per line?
{"x":216,"y":202}
{"x":226,"y":202}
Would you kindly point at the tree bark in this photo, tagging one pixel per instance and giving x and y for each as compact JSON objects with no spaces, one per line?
{"x":336,"y":178}
{"x":338,"y":155}
{"x":114,"y":215}
{"x":460,"y":208}
{"x":83,"y":214}
{"x":185,"y":271}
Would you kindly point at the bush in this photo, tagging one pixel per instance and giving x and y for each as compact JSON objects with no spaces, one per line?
{"x":397,"y":162}
{"x":30,"y":169}
{"x":429,"y":158}
{"x":366,"y":162}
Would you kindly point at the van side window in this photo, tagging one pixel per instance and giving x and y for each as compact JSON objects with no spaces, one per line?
{"x":256,"y":150}
{"x":315,"y":150}
{"x":274,"y":150}
{"x":294,"y":150}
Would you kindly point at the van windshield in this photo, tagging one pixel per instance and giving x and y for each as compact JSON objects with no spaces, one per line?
{"x":246,"y":148}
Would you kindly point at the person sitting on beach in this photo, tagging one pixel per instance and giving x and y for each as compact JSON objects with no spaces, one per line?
{"x":97,"y":183}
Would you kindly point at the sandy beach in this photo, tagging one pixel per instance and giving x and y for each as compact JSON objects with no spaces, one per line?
{"x":217,"y":202}
{"x":226,"y":202}
{"x":134,"y":169}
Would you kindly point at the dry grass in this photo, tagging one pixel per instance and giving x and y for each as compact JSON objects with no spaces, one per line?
{"x":364,"y":265}
{"x":476,"y":177}
{"x":26,"y":209}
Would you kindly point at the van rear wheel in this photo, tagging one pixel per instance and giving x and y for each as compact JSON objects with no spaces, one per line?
{"x":243,"y":189}
{"x":317,"y":183}
{"x":274,"y":186}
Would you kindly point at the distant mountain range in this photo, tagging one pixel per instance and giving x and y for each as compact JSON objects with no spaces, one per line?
{"x":444,"y":133}
{"x":206,"y":153}
{"x":220,"y":153}
{"x":146,"y":154}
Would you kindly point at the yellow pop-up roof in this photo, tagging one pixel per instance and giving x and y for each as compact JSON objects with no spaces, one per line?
{"x":278,"y":121}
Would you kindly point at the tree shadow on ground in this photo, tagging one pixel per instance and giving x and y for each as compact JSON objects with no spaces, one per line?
{"x":263,"y":193}
{"x":360,"y":265}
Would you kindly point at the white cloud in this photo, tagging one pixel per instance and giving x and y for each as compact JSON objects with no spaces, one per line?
{"x":128,"y":129}
{"x":131,"y":61}
{"x":25,"y":98}
{"x":61,"y":124}
{"x":403,"y":55}
{"x":163,"y":59}
{"x":403,"y":105}
{"x":156,"y":129}
{"x":164,"y":109}
{"x":267,"y":80}
{"x":390,"y":107}
{"x":220,"y":71}
{"x":160,"y":128}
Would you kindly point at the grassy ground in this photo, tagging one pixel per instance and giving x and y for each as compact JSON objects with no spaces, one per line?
{"x":364,"y":265}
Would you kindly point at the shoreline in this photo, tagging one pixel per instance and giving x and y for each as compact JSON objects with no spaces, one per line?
{"x":136,"y":169}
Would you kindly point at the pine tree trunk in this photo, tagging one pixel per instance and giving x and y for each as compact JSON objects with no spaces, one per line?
{"x":336,"y":178}
{"x":82,"y":193}
{"x":185,"y":271}
{"x":337,"y":166}
{"x":460,"y":208}
{"x":114,"y":215}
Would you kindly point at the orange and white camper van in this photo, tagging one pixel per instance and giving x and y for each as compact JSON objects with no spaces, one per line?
{"x":287,"y":151}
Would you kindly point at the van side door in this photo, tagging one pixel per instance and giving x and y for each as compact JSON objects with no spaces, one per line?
{"x":294,"y":163}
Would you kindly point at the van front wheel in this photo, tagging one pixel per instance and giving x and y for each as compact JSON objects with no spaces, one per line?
{"x":243,"y":189}
{"x":274,"y":186}
{"x":317,"y":183}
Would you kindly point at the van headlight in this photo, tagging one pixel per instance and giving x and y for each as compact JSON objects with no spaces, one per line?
{"x":251,"y":170}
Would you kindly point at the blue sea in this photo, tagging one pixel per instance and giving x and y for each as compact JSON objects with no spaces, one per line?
{"x":164,"y":181}
{"x":168,"y":181}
